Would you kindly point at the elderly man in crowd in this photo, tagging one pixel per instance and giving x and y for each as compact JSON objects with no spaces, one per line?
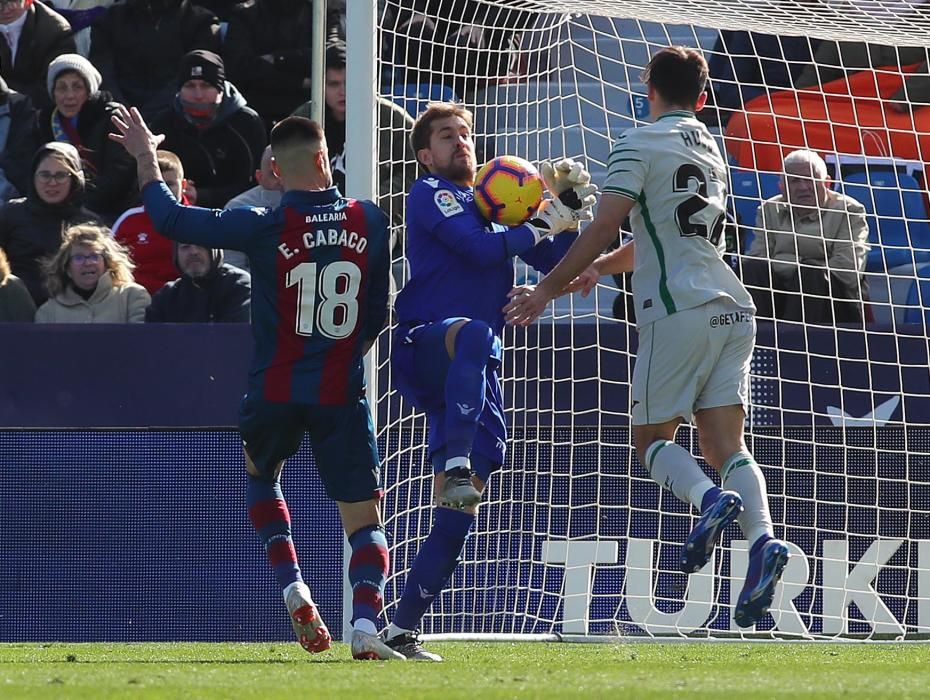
{"x":808,"y":254}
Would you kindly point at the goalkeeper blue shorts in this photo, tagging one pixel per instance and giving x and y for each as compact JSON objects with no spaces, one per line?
{"x":419,"y":366}
{"x":342,"y":438}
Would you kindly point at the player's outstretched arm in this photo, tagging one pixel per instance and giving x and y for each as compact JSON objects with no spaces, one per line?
{"x":526,"y":304}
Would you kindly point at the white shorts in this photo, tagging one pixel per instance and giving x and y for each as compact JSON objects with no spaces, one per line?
{"x":694,"y":359}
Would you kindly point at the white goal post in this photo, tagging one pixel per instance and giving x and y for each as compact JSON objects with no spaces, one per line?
{"x":574,"y":541}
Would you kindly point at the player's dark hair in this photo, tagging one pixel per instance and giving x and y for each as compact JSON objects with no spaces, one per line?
{"x":423,"y":126}
{"x":678,"y":74}
{"x":296,"y":131}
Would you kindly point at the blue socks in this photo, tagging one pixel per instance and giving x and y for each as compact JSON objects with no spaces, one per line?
{"x":435,"y":562}
{"x":272,"y":521}
{"x":465,"y":390}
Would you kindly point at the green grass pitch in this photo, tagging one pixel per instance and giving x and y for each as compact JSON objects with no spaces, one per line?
{"x":473,"y":670}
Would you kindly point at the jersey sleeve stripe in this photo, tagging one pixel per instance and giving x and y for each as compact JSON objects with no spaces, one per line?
{"x":620,"y":191}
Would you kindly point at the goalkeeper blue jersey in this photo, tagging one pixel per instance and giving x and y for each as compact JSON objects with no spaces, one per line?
{"x":320,"y":268}
{"x":460,"y":265}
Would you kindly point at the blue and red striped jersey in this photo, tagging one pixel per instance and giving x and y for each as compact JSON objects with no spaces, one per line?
{"x":320,"y":267}
{"x":460,"y":265}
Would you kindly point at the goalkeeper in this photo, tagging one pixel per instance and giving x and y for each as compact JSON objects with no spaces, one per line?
{"x":695,"y":319}
{"x":447,"y":345}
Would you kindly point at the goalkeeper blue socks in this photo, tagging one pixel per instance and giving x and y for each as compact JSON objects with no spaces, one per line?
{"x":435,"y":562}
{"x":368,"y":570}
{"x":465,"y":390}
{"x":272,"y":521}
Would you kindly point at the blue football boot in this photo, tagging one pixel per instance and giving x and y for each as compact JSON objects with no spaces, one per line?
{"x":766,"y":565}
{"x":699,"y":547}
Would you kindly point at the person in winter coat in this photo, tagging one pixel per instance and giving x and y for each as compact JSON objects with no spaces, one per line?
{"x":17,"y":142}
{"x":33,"y":34}
{"x":218,"y":138}
{"x":15,"y":303}
{"x":80,"y":116}
{"x":90,"y":281}
{"x":208,"y":290}
{"x":138,"y":44}
{"x":32,"y":227}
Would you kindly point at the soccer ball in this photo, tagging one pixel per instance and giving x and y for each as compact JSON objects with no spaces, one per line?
{"x":508,"y":190}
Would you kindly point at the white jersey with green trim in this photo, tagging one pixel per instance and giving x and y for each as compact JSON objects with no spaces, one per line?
{"x":672,"y":169}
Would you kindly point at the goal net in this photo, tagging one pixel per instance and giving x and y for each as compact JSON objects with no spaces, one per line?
{"x":573,"y":538}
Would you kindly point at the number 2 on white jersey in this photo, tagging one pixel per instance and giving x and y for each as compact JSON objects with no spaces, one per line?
{"x":337,"y":313}
{"x":690,"y":215}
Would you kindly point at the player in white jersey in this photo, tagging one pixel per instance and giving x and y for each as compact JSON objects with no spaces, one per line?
{"x":695,"y":319}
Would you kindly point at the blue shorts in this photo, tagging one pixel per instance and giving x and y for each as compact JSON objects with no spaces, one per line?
{"x":342,"y":438}
{"x":419,"y":365}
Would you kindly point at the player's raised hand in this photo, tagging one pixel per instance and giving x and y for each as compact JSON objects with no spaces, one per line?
{"x":563,"y":175}
{"x":527,"y":302}
{"x":564,"y":212}
{"x":134,"y":133}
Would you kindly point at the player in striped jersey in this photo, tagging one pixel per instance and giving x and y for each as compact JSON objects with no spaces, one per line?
{"x":320,"y":272}
{"x":671,"y":181}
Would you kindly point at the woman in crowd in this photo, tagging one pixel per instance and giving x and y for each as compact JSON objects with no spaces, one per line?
{"x":15,"y":303}
{"x":80,"y":116}
{"x":32,"y":227}
{"x":90,"y":281}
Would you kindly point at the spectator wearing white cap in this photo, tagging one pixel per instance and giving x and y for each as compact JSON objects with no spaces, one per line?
{"x":80,"y":115}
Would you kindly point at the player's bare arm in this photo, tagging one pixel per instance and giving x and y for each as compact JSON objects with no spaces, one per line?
{"x":527,"y":303}
{"x":139,"y":142}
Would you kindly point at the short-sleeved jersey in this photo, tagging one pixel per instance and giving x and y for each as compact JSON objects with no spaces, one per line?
{"x":460,"y":265}
{"x":320,"y":282}
{"x":672,"y":169}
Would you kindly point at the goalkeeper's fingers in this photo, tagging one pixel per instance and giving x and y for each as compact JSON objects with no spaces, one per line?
{"x":547,"y":170}
{"x":577,"y":175}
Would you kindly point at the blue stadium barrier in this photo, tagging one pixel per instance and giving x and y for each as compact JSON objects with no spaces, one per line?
{"x":415,"y":96}
{"x":749,"y":189}
{"x":899,"y":230}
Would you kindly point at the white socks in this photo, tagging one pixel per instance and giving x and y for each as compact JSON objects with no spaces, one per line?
{"x":672,"y":466}
{"x":740,"y":473}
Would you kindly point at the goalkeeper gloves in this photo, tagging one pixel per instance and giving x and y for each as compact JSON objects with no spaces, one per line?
{"x":564,"y":212}
{"x":564,"y":175}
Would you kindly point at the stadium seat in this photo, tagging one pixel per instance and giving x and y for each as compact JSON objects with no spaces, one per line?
{"x":918,"y":298}
{"x":898,"y":227}
{"x":415,"y":96}
{"x":750,"y":188}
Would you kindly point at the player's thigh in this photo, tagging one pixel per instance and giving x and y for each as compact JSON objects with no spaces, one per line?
{"x":271,"y":432}
{"x":732,"y":339}
{"x":420,"y":362}
{"x":670,"y":368}
{"x":345,"y":451}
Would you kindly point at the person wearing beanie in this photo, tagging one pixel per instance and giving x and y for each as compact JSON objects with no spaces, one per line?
{"x":32,"y":227}
{"x":33,"y":34}
{"x":216,"y":135}
{"x":138,"y":45}
{"x":17,"y":142}
{"x":80,"y":115}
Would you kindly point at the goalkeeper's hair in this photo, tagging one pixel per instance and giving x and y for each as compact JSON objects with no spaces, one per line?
{"x":678,"y":74}
{"x":423,"y":126}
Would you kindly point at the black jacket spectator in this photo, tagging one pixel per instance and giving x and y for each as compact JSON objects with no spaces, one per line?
{"x":223,"y":295}
{"x":109,"y":171}
{"x":32,"y":229}
{"x":267,"y":54}
{"x":45,"y":34}
{"x":137,"y":47}
{"x":17,"y":142}
{"x":220,"y":155}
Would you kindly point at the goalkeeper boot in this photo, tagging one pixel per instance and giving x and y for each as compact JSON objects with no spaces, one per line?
{"x":370,"y":647}
{"x":308,"y":626}
{"x":767,"y":560}
{"x":699,"y":547}
{"x":408,"y":644}
{"x":457,"y":490}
